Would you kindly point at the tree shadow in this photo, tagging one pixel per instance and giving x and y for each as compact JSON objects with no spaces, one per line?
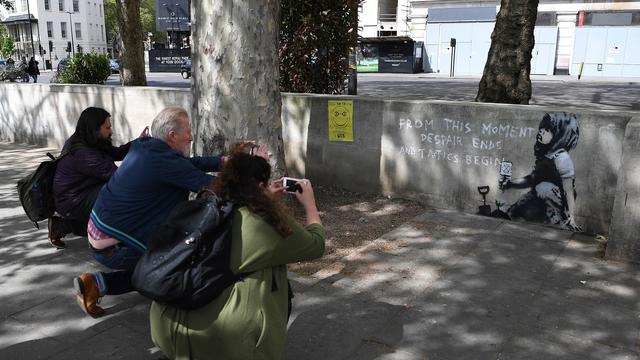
{"x":466,"y":287}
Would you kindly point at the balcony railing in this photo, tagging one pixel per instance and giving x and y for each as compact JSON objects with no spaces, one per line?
{"x":387,"y":17}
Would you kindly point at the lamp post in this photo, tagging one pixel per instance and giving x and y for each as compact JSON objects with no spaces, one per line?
{"x":33,"y":51}
{"x":177,"y":12}
{"x":73,"y":53}
{"x":179,"y":33}
{"x":170,"y":22}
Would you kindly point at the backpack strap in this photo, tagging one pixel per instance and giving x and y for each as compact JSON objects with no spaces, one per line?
{"x":62,"y":154}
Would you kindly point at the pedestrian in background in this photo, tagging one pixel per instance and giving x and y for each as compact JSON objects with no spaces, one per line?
{"x":32,"y":69}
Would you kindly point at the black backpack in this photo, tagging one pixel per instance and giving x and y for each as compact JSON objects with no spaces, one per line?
{"x":186,"y":263}
{"x":36,"y":190}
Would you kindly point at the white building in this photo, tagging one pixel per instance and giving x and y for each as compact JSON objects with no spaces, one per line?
{"x":54,"y":25}
{"x":600,"y":36}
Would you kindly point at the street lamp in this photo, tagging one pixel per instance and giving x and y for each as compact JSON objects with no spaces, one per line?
{"x":169,"y":12}
{"x":33,"y":51}
{"x":71,"y":27}
{"x":177,"y":12}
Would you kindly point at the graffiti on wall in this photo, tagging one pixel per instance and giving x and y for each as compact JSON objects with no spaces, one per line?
{"x":551,"y":195}
{"x":461,"y":142}
{"x":549,"y":190}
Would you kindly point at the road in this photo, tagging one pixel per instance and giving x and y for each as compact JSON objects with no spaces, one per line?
{"x":173,"y":80}
{"x":561,"y":91}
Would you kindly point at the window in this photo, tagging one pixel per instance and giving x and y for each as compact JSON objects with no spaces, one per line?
{"x":546,"y":19}
{"x":24,"y":6}
{"x":63,"y":29}
{"x":100,"y":10}
{"x":61,"y":5}
{"x":78,"y":28}
{"x":46,"y":5}
{"x":50,"y":29}
{"x":612,"y":18}
{"x":102,"y":31}
{"x":88,"y":8}
{"x":90,"y":31}
{"x":76,"y":5}
{"x":95,"y":8}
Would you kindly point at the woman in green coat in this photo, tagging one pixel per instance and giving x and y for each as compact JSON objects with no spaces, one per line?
{"x":249,"y":319}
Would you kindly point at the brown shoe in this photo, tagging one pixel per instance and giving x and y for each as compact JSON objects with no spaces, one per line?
{"x":87,"y":295}
{"x":56,"y":232}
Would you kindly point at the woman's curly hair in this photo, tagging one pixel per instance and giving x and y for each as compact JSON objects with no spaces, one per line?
{"x":239,"y":182}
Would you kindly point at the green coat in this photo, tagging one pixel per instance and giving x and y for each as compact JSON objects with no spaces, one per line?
{"x":249,"y":319}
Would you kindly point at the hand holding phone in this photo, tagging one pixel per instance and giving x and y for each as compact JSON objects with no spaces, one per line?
{"x":306,"y":197}
{"x":291,"y":185}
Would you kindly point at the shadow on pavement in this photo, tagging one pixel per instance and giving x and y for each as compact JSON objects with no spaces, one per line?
{"x":444,"y":285}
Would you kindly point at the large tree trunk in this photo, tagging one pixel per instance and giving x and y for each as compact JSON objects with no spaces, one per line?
{"x":506,"y":73}
{"x":132,"y":71}
{"x":235,"y":76}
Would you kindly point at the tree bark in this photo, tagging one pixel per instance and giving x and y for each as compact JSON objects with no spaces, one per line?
{"x":235,"y":76}
{"x":132,"y":71}
{"x":506,"y":73}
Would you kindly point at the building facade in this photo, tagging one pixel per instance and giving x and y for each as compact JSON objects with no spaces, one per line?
{"x":52,"y":30}
{"x":595,"y":37}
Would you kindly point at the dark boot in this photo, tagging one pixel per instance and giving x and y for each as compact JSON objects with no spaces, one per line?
{"x":58,"y":228}
{"x":79,"y":227}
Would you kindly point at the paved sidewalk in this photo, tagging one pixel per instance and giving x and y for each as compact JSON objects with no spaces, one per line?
{"x":445,"y":285}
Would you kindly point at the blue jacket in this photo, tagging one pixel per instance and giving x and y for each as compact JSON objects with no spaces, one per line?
{"x":152,"y":179}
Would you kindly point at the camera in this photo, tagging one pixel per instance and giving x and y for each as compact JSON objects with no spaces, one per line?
{"x":290,"y":185}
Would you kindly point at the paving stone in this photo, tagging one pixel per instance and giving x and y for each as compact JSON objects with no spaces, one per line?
{"x":373,"y":350}
{"x":20,"y":341}
{"x":561,"y":347}
{"x":447,"y":333}
{"x":343,"y":323}
{"x":118,"y":342}
{"x":589,"y":319}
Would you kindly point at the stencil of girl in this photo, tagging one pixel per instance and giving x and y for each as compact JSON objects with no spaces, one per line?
{"x":552,"y":197}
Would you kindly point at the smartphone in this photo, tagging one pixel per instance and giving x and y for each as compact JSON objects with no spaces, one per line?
{"x":290,"y":185}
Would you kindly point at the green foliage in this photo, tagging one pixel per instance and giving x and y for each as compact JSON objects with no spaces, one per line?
{"x":6,"y":46}
{"x":316,"y":37}
{"x":5,"y":38}
{"x":111,"y":21}
{"x":147,"y":17}
{"x":7,"y":4}
{"x":85,"y":69}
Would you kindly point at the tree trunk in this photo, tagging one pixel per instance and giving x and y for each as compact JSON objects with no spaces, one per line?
{"x":235,"y":76}
{"x":506,"y":73}
{"x":132,"y":71}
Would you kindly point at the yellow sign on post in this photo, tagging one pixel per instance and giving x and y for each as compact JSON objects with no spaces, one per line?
{"x":340,"y":120}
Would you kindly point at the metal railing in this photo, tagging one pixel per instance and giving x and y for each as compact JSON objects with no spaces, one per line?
{"x":387,"y":17}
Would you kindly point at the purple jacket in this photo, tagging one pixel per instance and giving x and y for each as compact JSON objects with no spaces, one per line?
{"x":78,"y":173}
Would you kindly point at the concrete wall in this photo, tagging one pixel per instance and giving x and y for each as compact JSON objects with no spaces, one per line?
{"x":439,"y":152}
{"x":624,"y":242}
{"x":47,"y":114}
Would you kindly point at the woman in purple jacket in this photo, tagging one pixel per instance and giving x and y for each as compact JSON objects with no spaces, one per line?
{"x":80,"y":174}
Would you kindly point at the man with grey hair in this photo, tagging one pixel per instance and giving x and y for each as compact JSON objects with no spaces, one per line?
{"x":156,"y":175}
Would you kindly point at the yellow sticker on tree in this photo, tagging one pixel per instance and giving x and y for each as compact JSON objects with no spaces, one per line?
{"x":340,"y":120}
